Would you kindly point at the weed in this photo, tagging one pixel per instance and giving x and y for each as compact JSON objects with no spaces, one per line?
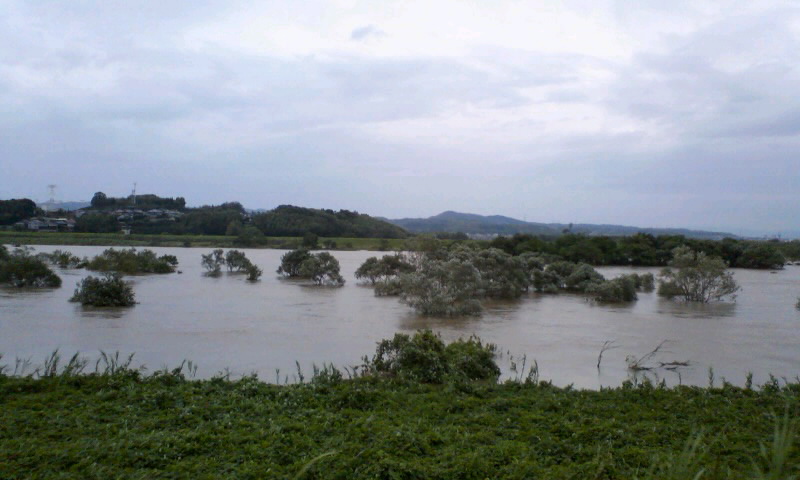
{"x":774,"y":462}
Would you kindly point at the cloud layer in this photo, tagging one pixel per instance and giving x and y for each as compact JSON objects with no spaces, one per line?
{"x":585,"y":111}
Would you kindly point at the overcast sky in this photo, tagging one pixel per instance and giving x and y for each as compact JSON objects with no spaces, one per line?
{"x":648,"y":113}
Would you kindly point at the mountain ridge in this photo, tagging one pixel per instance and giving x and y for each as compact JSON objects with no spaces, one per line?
{"x":470,"y":223}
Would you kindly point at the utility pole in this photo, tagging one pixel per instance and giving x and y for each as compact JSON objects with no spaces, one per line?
{"x":51,"y":203}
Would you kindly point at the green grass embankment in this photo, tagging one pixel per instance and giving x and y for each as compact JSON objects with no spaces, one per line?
{"x":126,"y":426}
{"x":165,"y":240}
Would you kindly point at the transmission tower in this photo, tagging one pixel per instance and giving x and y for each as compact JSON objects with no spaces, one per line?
{"x":133,"y":193}
{"x":52,"y":189}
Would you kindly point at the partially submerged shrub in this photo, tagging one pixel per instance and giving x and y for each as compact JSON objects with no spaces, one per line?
{"x":453,"y":281}
{"x":64,"y":259}
{"x":322,"y":268}
{"x":445,"y":288}
{"x":291,"y":262}
{"x":698,"y":278}
{"x":620,"y":289}
{"x":130,"y":261}
{"x":384,"y":269}
{"x":645,"y":282}
{"x":110,"y":290}
{"x":213,"y":262}
{"x":21,"y":269}
{"x":236,"y":260}
{"x":582,"y":278}
{"x":546,"y":281}
{"x":253,"y":272}
{"x":425,"y":358}
{"x":389,"y":288}
{"x":502,"y":276}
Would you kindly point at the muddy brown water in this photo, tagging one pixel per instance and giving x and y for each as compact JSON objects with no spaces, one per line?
{"x":229,"y":324}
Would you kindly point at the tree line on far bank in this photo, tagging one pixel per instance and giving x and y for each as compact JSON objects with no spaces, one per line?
{"x":231,"y":218}
{"x":649,"y":250}
{"x":252,"y":229}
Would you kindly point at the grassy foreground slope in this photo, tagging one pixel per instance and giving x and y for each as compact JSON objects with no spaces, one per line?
{"x":126,"y":426}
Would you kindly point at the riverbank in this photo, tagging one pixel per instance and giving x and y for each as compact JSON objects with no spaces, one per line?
{"x":10,"y":237}
{"x":123,"y":425}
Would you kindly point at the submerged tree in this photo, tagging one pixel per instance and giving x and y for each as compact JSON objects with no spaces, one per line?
{"x":696,"y":277}
{"x":446,"y":288}
{"x":502,"y":276}
{"x":213,"y":262}
{"x":110,"y":290}
{"x":21,"y":269}
{"x":236,"y":260}
{"x":291,"y":262}
{"x":253,"y":272}
{"x":582,"y":278}
{"x":381,"y":270}
{"x":64,"y":259}
{"x":131,"y":261}
{"x":323,"y":269}
{"x":620,"y":289}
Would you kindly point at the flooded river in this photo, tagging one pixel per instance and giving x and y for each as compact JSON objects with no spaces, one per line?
{"x":228,"y":323}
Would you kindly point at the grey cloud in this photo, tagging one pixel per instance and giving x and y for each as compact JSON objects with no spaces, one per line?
{"x":123,"y":101}
{"x":689,"y":91}
{"x":366,"y":32}
{"x":786,"y":124}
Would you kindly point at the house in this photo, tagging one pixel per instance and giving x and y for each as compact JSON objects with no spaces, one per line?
{"x":46,"y":224}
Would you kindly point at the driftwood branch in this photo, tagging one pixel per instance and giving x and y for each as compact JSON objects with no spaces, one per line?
{"x":607,"y":345}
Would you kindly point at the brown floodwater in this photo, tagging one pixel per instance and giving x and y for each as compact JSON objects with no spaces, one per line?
{"x":229,"y":324}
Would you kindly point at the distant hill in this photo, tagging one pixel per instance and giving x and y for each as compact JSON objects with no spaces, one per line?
{"x":497,"y":224}
{"x":288,"y":221}
{"x":470,"y":223}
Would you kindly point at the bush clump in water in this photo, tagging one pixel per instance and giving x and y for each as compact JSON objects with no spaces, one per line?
{"x":291,"y":262}
{"x":213,"y":262}
{"x":253,"y":272}
{"x":425,"y":358}
{"x":620,"y":289}
{"x":21,"y":269}
{"x":235,"y":260}
{"x":696,"y":277}
{"x":443,"y":288}
{"x":64,"y":259}
{"x":322,"y":268}
{"x":110,"y":290}
{"x":130,"y":261}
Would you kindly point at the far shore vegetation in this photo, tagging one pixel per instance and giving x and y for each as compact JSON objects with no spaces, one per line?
{"x":419,"y":408}
{"x":636,"y":250}
{"x":12,"y":237}
{"x":151,"y":220}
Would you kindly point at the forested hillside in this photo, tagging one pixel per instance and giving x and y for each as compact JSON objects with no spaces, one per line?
{"x":291,"y":221}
